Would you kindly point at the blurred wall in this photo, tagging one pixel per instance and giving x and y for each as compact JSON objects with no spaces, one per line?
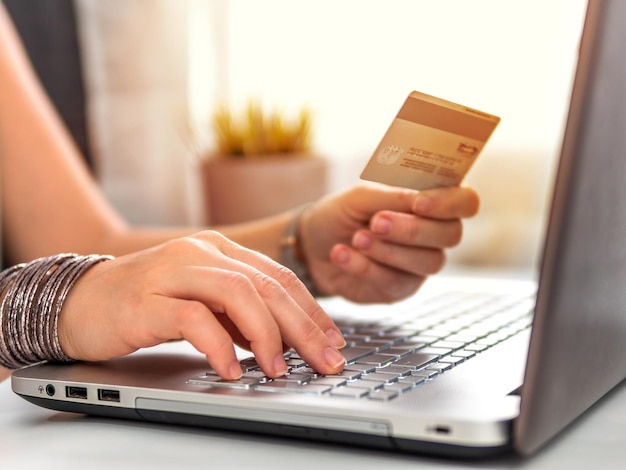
{"x":135,"y":55}
{"x":353,"y":62}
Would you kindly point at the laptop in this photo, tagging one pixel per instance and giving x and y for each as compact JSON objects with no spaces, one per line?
{"x":466,"y":367}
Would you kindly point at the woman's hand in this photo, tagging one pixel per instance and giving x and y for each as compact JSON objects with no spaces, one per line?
{"x":376,"y":243}
{"x":204,"y":289}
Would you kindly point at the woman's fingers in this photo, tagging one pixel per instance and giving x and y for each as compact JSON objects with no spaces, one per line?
{"x":264,"y":314}
{"x":291,"y":287}
{"x":414,"y":242}
{"x":409,"y":230}
{"x":442,"y":203}
{"x":224,"y":293}
{"x":375,"y":282}
{"x":191,"y":320}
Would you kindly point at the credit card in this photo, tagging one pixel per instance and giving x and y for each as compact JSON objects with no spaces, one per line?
{"x":430,"y":143}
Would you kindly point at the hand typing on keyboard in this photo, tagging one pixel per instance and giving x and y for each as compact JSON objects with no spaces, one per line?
{"x":204,"y":289}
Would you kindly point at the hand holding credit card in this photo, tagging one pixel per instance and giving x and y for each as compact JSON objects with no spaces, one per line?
{"x":430,"y":143}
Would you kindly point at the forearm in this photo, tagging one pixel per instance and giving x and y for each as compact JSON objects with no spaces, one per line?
{"x":51,"y":203}
{"x":263,"y":236}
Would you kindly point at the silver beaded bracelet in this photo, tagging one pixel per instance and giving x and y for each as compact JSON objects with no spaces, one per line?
{"x":32,"y":295}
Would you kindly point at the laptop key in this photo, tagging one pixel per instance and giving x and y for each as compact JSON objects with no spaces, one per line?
{"x":395,"y":351}
{"x":426,"y":374}
{"x":331,"y":380}
{"x":440,"y":367}
{"x":356,"y":352}
{"x":362,"y":368}
{"x":400,"y":386}
{"x":476,"y":347}
{"x":346,"y":374}
{"x":370,"y":386}
{"x":417,"y":360}
{"x":295,"y":378}
{"x":378,"y":360}
{"x":410,"y":345}
{"x":290,"y":387}
{"x":413,"y":380}
{"x":348,"y":392}
{"x":398,"y":371}
{"x":467,"y":354}
{"x":355,"y":339}
{"x":453,"y":345}
{"x":379,"y":377}
{"x":216,"y":381}
{"x":383,"y":395}
{"x":453,"y":360}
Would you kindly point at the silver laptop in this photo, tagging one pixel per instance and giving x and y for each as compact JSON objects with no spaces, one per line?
{"x":470,"y":371}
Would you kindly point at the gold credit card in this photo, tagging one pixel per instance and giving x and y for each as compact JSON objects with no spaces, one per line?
{"x":430,"y":143}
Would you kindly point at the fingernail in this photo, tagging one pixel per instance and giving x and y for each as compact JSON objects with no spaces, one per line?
{"x":362,"y":240}
{"x":334,"y":358}
{"x":342,"y":256}
{"x":422,"y":204}
{"x":280,"y":367}
{"x":381,"y":225}
{"x":235,"y":371}
{"x":335,"y":338}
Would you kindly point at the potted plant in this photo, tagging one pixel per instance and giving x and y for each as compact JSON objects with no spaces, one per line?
{"x":262,"y":164}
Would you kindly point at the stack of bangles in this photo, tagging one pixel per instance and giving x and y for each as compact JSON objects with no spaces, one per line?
{"x":31,"y":298}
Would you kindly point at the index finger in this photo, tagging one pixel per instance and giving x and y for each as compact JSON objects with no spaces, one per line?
{"x":303,"y":324}
{"x":452,"y":202}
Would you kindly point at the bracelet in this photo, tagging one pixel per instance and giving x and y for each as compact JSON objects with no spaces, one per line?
{"x":32,"y":298}
{"x":291,"y":254}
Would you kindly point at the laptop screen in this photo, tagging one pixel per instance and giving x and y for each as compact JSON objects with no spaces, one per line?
{"x":577,"y":348}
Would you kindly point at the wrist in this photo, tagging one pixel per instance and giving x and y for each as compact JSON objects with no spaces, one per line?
{"x":292,"y":253}
{"x":34,"y":294}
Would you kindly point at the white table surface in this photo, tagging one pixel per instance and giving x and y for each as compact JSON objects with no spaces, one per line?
{"x":35,"y":438}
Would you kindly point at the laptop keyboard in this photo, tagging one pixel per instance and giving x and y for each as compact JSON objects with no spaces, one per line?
{"x":387,"y":358}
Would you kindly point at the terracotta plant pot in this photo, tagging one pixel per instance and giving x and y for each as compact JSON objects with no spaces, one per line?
{"x":244,"y":189}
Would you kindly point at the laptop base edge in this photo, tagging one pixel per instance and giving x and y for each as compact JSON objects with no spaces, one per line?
{"x":307,"y":433}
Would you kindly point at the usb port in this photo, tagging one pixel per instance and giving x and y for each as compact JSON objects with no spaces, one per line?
{"x":108,"y":395}
{"x":76,"y":392}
